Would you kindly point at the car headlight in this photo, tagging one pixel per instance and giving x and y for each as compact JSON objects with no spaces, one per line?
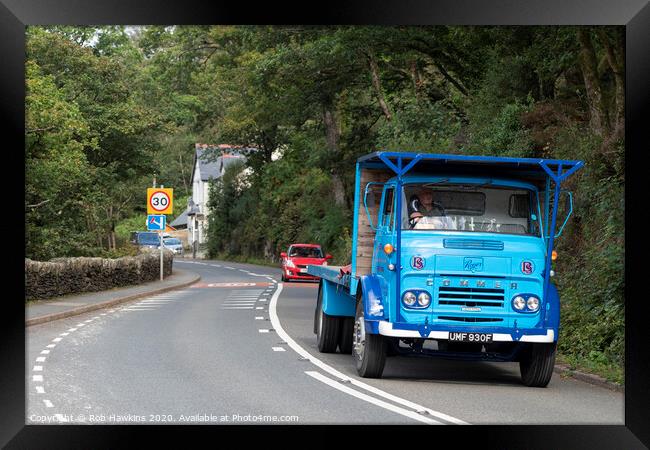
{"x":409,"y":299}
{"x":533,"y":303}
{"x":424,"y":299}
{"x":324,"y":263}
{"x":519,"y":303}
{"x":291,"y":264}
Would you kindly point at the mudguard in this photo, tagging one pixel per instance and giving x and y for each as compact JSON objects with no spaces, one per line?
{"x":336,"y":300}
{"x":374,"y":309}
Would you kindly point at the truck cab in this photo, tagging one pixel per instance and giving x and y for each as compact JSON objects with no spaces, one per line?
{"x":452,"y":257}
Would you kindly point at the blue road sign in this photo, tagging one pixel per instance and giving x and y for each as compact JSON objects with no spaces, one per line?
{"x":156,"y":222}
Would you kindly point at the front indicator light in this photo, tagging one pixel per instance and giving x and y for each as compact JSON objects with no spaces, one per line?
{"x":388,"y":249}
{"x":424,"y":299}
{"x":533,"y":303}
{"x":409,"y":299}
{"x":519,"y":303}
{"x":553,"y":255}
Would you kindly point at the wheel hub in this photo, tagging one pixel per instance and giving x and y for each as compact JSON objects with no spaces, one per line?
{"x":359,"y":337}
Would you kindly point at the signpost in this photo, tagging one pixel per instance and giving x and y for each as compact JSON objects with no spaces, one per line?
{"x":160,"y":201}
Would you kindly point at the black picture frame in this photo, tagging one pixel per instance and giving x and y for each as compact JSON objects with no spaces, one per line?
{"x":633,"y":14}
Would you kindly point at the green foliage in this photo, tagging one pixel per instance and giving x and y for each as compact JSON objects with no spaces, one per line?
{"x":107,"y":109}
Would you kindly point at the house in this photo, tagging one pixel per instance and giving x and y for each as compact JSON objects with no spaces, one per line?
{"x":210,"y":162}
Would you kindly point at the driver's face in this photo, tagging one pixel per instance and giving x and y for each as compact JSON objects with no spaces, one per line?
{"x":427,"y":197}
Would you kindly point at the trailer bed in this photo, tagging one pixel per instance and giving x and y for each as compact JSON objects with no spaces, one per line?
{"x":335,"y":274}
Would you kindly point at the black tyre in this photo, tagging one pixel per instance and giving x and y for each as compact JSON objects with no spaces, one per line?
{"x":327,"y":328}
{"x":345,"y":338}
{"x":536,"y":365}
{"x":368,"y":350}
{"x":284,"y":280}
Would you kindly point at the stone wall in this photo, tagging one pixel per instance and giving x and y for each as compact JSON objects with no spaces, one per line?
{"x":63,"y":276}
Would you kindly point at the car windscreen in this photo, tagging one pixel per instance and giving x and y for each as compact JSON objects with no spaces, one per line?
{"x":306,"y":252}
{"x":469,"y":207}
{"x":148,"y":239}
{"x":172,"y":241}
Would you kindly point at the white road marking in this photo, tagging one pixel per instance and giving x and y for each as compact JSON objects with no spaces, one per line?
{"x":72,"y":329}
{"x":40,"y":359}
{"x":262,"y":300}
{"x":89,"y":320}
{"x":81,"y":324}
{"x":259,"y":318}
{"x":57,"y":339}
{"x":259,"y":307}
{"x":241,"y":302}
{"x":48,"y":404}
{"x":263,"y":330}
{"x":96,"y":317}
{"x":45,"y":352}
{"x":40,"y":390}
{"x":278,"y":349}
{"x":64,"y":334}
{"x":360,"y":395}
{"x":38,"y":368}
{"x":51,"y":346}
{"x":37,"y":378}
{"x":275,"y":321}
{"x":238,"y":307}
{"x":231,"y":268}
{"x":102,"y":314}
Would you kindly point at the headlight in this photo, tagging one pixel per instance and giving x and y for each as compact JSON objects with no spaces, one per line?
{"x":519,"y":303}
{"x":424,"y":299}
{"x":533,"y":303}
{"x":291,"y":264}
{"x":324,"y":263}
{"x":409,"y":299}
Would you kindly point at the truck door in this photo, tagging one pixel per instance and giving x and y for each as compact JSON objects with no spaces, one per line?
{"x":385,"y":235}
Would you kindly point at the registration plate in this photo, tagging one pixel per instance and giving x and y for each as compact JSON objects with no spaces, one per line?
{"x":303,"y":270}
{"x":470,"y":337}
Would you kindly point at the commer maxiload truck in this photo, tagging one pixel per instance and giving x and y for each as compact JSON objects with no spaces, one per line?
{"x":451,"y":257}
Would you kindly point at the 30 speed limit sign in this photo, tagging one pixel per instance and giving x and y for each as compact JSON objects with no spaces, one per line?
{"x":160,"y":201}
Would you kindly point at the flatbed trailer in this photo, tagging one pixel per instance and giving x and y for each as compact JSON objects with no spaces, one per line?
{"x":468,"y":278}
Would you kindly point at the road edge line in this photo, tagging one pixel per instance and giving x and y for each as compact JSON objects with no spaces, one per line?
{"x":367,"y":398}
{"x":275,"y":321}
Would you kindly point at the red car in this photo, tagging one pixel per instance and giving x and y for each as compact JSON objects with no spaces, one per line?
{"x":295,"y":261}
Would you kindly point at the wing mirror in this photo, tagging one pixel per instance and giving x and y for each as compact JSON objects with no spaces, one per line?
{"x":328,"y":256}
{"x":369,"y":201}
{"x":283,"y":254}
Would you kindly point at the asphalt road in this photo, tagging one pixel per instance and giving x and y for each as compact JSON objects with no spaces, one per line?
{"x":245,"y":353}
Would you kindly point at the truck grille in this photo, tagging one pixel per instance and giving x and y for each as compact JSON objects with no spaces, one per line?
{"x":470,"y":296}
{"x":471,"y":319}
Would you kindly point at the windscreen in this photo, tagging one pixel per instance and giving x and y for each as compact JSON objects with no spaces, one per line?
{"x":148,"y":239}
{"x":306,"y":252}
{"x":171,"y":241}
{"x":471,"y":207}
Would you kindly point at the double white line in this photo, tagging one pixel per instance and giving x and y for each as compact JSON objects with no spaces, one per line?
{"x":415,"y":411}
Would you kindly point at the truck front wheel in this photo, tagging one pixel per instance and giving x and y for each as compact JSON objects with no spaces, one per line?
{"x":536,"y":365}
{"x":369,"y":350}
{"x":327,"y":327}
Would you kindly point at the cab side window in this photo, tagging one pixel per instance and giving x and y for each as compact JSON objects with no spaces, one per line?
{"x":387,"y":212}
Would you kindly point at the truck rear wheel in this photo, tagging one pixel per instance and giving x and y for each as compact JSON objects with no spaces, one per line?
{"x":369,"y":350}
{"x":327,"y":327}
{"x":345,"y":339}
{"x":537,"y":364}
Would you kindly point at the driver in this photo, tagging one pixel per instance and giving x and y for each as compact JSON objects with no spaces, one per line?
{"x":422,"y":205}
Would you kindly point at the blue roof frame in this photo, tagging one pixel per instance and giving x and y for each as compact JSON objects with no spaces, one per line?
{"x":541,"y":167}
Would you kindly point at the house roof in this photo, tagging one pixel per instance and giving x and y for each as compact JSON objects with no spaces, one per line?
{"x":213,"y":159}
{"x":180,"y":220}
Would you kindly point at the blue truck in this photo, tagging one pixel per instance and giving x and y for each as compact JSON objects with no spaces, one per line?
{"x":451,"y":257}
